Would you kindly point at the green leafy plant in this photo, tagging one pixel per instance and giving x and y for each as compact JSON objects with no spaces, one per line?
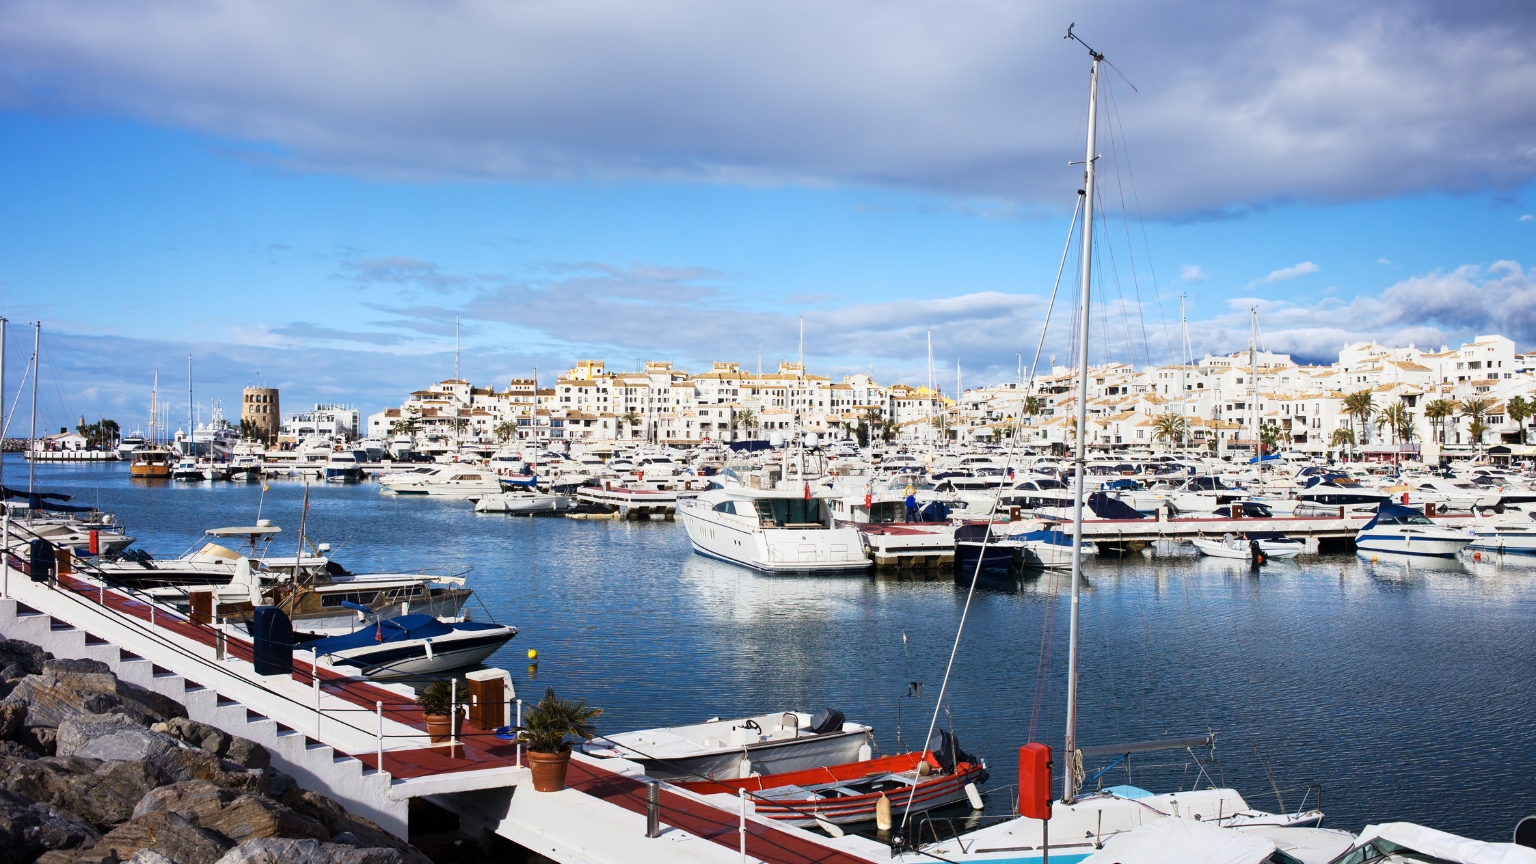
{"x":435,"y":698}
{"x":547,"y":725}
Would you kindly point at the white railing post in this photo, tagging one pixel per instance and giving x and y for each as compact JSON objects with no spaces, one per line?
{"x":314,"y":672}
{"x":379,"y":706}
{"x":5,"y":554}
{"x":517,"y":731}
{"x":453,"y":713}
{"x":743,"y":829}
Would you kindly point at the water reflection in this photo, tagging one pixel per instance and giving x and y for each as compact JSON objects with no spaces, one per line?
{"x":1405,"y":690}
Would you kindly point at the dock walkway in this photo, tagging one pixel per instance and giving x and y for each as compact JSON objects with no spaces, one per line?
{"x":335,"y":750}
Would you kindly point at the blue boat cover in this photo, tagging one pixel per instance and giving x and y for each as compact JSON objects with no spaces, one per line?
{"x":1106,"y":507}
{"x":400,"y":629}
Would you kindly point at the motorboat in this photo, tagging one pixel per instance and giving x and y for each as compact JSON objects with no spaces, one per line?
{"x":732,"y":749}
{"x":1241,"y":547}
{"x":188,"y":469}
{"x":411,"y":645}
{"x":1400,"y":530}
{"x":1504,"y":538}
{"x":978,"y":543}
{"x":1335,"y":494}
{"x":771,"y":530}
{"x":844,"y":794}
{"x":1047,"y":545}
{"x":448,"y":481}
{"x":150,"y":463}
{"x":345,"y":466}
{"x":130,"y":443}
{"x":1407,"y":843}
{"x":522,"y":499}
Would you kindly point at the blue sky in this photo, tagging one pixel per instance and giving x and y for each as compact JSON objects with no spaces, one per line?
{"x":316,"y":213}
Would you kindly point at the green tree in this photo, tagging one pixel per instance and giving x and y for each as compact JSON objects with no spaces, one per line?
{"x":101,"y":435}
{"x":1359,"y":406}
{"x":1475,"y":409}
{"x":745,"y":418}
{"x":1342,"y":437}
{"x":1437,"y":411}
{"x":1519,"y":409}
{"x":505,"y":430}
{"x":1270,"y":436}
{"x":1170,"y":427}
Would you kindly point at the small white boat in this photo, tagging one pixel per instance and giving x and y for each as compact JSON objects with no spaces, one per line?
{"x":730,"y":749}
{"x":411,"y":645}
{"x":522,"y":500}
{"x":1240,"y":547}
{"x":187,"y":468}
{"x":1049,"y":546}
{"x":1399,"y":530}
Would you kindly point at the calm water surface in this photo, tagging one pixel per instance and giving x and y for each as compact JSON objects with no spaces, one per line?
{"x":1406,"y":693}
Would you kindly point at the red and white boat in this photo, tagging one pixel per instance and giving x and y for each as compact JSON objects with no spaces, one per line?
{"x":850,"y":793}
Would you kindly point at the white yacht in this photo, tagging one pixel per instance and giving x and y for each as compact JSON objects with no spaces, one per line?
{"x":522,"y":499}
{"x":771,"y":530}
{"x":446,"y":481}
{"x":345,"y":466}
{"x":1399,"y":530}
{"x":1504,"y":538}
{"x":129,"y":443}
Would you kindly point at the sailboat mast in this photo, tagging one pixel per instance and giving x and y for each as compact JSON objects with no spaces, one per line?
{"x":931,"y":432}
{"x":3,"y":424}
{"x":1253,"y":384}
{"x":1185,"y":361}
{"x":37,"y":344}
{"x":1080,"y":458}
{"x":191,"y":447}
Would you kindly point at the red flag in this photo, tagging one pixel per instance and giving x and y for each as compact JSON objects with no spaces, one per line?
{"x":378,"y":632}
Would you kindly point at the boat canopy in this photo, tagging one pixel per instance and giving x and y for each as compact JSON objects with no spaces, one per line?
{"x":1176,"y":841}
{"x":243,"y":532}
{"x":1407,"y":836}
{"x":1106,"y":507}
{"x":1397,"y":514}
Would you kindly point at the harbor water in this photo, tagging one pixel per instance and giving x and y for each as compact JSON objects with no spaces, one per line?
{"x":1402,"y":693}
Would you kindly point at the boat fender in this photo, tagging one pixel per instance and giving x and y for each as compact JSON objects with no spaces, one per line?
{"x":746,"y":767}
{"x":865,"y":753}
{"x":428,"y":643}
{"x":973,"y":795}
{"x":883,"y":813}
{"x":828,"y":827}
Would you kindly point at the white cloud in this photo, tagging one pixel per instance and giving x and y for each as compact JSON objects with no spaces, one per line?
{"x":1285,"y":273}
{"x":971,"y":97}
{"x":1527,"y":217}
{"x":1384,"y":261}
{"x":1192,"y":273}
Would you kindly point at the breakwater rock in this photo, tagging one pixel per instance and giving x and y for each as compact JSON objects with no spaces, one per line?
{"x":94,"y":770}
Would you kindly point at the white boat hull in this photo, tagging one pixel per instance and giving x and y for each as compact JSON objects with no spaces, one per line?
{"x":1436,"y":544}
{"x":774,"y":550}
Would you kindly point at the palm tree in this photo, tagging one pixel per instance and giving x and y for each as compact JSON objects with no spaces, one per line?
{"x":1437,"y":411}
{"x":631,"y":419}
{"x":1391,"y":419}
{"x":1170,"y":427}
{"x":504,"y":430}
{"x":746,"y":418}
{"x":1342,"y":437}
{"x":1519,"y":409}
{"x":1475,"y":409}
{"x":1359,"y":406}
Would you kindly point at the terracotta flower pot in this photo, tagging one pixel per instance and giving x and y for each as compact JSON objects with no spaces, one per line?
{"x":549,"y":769}
{"x":439,"y":728}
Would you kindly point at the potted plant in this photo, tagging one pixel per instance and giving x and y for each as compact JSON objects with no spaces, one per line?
{"x":546,"y":728}
{"x":436,"y":703}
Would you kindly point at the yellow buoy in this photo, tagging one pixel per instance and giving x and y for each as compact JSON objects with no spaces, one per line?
{"x":533,"y":654}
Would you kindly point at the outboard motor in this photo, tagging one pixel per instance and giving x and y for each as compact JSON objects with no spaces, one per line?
{"x":1256,"y":552}
{"x":946,"y":749}
{"x":826,"y":720}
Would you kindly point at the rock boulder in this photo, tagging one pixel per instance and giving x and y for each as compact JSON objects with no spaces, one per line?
{"x":266,"y":850}
{"x":28,"y":829}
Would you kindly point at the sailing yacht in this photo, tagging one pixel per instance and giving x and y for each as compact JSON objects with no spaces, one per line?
{"x":1082,"y":823}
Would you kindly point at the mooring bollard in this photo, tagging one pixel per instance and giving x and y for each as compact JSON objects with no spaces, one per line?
{"x":653,"y":809}
{"x":379,"y":706}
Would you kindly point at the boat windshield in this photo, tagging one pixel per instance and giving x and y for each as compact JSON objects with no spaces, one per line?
{"x":791,"y":512}
{"x":1406,"y":519}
